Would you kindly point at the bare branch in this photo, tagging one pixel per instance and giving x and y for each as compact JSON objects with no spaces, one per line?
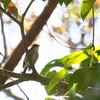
{"x":93,"y":27}
{"x":23,"y":36}
{"x":20,"y":89}
{"x":4,"y":40}
{"x":9,"y":15}
{"x":59,"y":42}
{"x":28,"y":77}
{"x":10,"y":84}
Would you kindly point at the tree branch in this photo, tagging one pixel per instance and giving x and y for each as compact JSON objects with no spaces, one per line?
{"x":28,"y":77}
{"x":23,"y":37}
{"x":31,"y":35}
{"x":32,"y":77}
{"x":4,"y":41}
{"x":9,"y":15}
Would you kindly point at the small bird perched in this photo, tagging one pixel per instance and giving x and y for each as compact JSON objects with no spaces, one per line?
{"x":33,"y":53}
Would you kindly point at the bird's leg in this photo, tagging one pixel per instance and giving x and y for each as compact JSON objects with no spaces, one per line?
{"x":24,"y":71}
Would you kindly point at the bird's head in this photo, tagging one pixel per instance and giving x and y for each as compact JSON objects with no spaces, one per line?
{"x":35,"y":46}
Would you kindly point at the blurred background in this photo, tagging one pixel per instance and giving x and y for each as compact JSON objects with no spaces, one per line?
{"x":64,"y":30}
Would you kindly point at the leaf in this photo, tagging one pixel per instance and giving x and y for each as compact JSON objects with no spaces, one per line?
{"x":76,"y":58}
{"x":72,"y":90}
{"x":86,"y":7}
{"x":55,"y":90}
{"x":1,"y":54}
{"x":65,"y":1}
{"x":78,"y":77}
{"x":51,"y":74}
{"x":66,"y":62}
{"x":12,"y":9}
{"x":87,"y":75}
{"x":51,"y":64}
{"x":58,"y":77}
{"x":6,"y":3}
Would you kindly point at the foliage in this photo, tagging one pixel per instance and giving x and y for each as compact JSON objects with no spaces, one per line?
{"x":6,"y":3}
{"x":1,"y":54}
{"x":65,"y":1}
{"x":85,"y":7}
{"x":80,"y":70}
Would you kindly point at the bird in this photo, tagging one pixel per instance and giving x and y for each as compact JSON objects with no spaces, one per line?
{"x":33,"y":54}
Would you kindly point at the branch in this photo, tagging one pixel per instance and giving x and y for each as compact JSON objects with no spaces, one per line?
{"x":28,"y":77}
{"x":32,"y":77}
{"x":20,"y":89}
{"x":23,"y":37}
{"x":10,"y":84}
{"x":62,"y":40}
{"x":31,"y":35}
{"x":4,"y":40}
{"x":93,"y":27}
{"x":9,"y":15}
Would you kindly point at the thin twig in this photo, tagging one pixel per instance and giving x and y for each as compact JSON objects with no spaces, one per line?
{"x":28,"y":77}
{"x":10,"y":16}
{"x":20,"y":89}
{"x":32,"y":33}
{"x":59,"y":42}
{"x":4,"y":40}
{"x":93,"y":26}
{"x":24,"y":14}
{"x":23,"y":36}
{"x":10,"y":84}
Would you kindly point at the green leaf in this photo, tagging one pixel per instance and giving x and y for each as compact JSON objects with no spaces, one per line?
{"x":65,"y":1}
{"x":51,"y":74}
{"x":50,"y":65}
{"x":86,"y":76}
{"x":86,"y":7}
{"x":55,"y":90}
{"x":77,"y":58}
{"x":57,"y":77}
{"x":89,"y":46}
{"x":95,"y":75}
{"x":72,"y":91}
{"x":6,"y":3}
{"x":1,"y":54}
{"x":78,"y":77}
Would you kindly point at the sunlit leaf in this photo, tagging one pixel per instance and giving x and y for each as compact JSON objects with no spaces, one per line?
{"x":97,"y":53}
{"x":54,"y":90}
{"x":51,"y":64}
{"x":76,"y":58}
{"x":72,"y":90}
{"x":86,"y":7}
{"x":51,"y":74}
{"x":58,"y":77}
{"x":48,"y":66}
